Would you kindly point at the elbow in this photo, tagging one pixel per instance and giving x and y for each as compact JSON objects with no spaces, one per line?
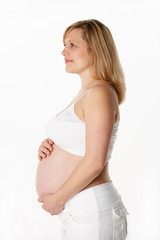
{"x":100,"y":166}
{"x":97,"y":166}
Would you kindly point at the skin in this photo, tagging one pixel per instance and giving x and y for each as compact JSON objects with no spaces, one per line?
{"x":94,"y":172}
{"x":75,"y":49}
{"x":45,"y":148}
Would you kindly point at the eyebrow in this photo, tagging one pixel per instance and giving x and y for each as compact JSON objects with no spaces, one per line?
{"x":71,"y":41}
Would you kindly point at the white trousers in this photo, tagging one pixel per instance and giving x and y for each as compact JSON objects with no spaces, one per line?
{"x":96,"y":213}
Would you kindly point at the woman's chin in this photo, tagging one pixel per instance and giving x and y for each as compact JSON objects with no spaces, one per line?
{"x":69,"y":70}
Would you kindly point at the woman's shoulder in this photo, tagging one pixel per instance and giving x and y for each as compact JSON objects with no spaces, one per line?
{"x":104,"y":90}
{"x":103,"y":94}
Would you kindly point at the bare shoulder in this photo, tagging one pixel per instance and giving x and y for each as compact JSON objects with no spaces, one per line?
{"x":104,"y":98}
{"x":104,"y":91}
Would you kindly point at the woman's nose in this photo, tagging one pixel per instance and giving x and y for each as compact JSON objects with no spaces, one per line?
{"x":64,"y":52}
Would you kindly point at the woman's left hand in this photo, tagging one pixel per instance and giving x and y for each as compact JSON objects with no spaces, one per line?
{"x":51,"y":204}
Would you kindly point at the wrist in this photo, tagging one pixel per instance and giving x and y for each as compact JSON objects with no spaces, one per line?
{"x":59,"y":197}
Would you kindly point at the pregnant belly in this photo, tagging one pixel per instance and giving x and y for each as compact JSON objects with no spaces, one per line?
{"x":54,"y":170}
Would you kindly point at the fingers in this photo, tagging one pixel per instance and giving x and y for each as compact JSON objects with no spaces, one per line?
{"x":48,"y":144}
{"x":45,"y":148}
{"x":50,"y":141}
{"x":41,"y":155}
{"x":43,"y":152}
{"x":40,"y":158}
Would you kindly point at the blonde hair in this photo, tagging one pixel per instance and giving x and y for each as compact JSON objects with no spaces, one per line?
{"x":105,"y":59}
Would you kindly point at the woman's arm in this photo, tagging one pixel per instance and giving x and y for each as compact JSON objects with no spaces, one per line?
{"x":99,"y":118}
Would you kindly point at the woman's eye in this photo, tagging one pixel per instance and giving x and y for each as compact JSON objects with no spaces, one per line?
{"x":72,"y":44}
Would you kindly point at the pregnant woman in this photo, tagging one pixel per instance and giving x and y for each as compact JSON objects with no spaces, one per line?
{"x":72,"y":178}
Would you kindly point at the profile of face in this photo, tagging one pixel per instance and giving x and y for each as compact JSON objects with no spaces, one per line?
{"x":76,"y":53}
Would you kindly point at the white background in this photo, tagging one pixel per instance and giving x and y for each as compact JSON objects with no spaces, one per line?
{"x":34,"y":87}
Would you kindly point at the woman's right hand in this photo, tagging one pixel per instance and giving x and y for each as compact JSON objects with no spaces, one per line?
{"x":45,"y":148}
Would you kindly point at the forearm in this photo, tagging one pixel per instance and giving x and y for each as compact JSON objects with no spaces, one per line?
{"x":83,"y":174}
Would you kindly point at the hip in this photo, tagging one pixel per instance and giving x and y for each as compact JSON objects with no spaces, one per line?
{"x":95,"y":213}
{"x":95,"y":199}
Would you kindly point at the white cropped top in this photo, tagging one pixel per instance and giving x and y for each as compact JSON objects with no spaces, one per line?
{"x":68,"y":132}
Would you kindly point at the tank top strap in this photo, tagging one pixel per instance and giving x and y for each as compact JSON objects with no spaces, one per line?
{"x":72,"y":104}
{"x":81,"y":95}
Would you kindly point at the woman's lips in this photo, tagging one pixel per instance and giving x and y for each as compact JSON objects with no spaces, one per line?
{"x":68,"y":61}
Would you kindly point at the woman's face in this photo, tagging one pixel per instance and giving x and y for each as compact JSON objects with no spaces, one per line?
{"x":76,"y":54}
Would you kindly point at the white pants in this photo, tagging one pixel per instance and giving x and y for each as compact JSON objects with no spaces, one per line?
{"x":96,"y":213}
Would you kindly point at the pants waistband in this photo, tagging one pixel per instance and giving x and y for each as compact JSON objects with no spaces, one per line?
{"x":100,"y":197}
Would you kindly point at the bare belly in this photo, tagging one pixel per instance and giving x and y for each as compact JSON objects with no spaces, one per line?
{"x":54,"y":170}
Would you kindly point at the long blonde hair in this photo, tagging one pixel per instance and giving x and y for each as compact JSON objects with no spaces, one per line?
{"x":105,"y":59}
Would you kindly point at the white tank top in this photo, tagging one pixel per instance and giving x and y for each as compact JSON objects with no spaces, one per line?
{"x":68,"y":132}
